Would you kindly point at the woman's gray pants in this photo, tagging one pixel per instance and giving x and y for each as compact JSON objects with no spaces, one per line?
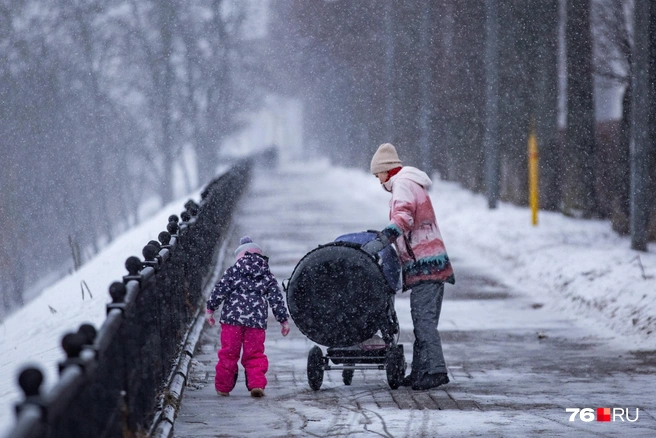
{"x":425,"y":308}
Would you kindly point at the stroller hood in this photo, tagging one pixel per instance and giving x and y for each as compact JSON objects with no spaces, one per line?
{"x":338,"y":295}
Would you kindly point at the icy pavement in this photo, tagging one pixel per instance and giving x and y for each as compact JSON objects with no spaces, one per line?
{"x":515,"y":364}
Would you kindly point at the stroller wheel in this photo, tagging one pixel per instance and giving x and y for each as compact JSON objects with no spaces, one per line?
{"x":347,"y":376}
{"x":395,"y":366}
{"x":315,"y":368}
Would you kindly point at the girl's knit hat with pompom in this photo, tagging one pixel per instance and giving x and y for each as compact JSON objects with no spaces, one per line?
{"x":247,"y":245}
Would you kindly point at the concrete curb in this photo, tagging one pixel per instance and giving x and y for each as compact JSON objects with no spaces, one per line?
{"x":165,"y":417}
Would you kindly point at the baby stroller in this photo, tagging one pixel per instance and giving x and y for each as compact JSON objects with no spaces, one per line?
{"x":340,"y":297}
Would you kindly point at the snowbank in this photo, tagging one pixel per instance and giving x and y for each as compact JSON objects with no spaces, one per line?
{"x":579,"y":266}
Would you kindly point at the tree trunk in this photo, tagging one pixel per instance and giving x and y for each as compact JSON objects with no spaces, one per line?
{"x":579,"y":197}
{"x":544,"y":17}
{"x":389,"y":71}
{"x":651,"y":232}
{"x":640,"y":151}
{"x":165,"y":91}
{"x":491,"y":138}
{"x":620,"y":202}
{"x":425,"y":96}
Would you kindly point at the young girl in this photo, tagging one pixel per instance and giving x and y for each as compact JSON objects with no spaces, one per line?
{"x":244,"y":289}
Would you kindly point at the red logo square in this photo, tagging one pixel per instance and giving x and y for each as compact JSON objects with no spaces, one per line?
{"x":603,"y":414}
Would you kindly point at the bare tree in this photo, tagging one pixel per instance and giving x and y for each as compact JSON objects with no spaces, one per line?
{"x":217,"y":55}
{"x":91,"y":122}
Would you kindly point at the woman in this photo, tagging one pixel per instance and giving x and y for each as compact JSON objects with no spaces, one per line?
{"x":426,"y":265}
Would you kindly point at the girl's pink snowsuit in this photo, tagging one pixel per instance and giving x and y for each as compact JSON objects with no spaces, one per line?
{"x":246,"y":290}
{"x":253,"y":358}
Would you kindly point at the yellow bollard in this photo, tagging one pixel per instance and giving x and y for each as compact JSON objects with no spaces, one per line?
{"x":533,"y":175}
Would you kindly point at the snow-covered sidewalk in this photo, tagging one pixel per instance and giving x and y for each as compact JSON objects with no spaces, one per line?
{"x":579,"y":267}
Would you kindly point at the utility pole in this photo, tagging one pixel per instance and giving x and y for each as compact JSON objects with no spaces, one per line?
{"x":640,"y":141}
{"x":492,"y":103}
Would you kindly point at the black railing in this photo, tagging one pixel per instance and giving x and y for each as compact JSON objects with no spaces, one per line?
{"x":112,"y":381}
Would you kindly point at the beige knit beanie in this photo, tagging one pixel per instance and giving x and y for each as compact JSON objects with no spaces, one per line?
{"x":385,"y":159}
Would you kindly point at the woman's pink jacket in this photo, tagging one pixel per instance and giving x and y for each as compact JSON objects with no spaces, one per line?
{"x":413,"y":228}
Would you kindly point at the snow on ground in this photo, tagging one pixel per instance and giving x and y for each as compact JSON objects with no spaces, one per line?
{"x":579,"y":267}
{"x":32,"y":335}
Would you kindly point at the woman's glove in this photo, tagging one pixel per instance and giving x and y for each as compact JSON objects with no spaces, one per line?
{"x":209,"y":317}
{"x":284,"y":328}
